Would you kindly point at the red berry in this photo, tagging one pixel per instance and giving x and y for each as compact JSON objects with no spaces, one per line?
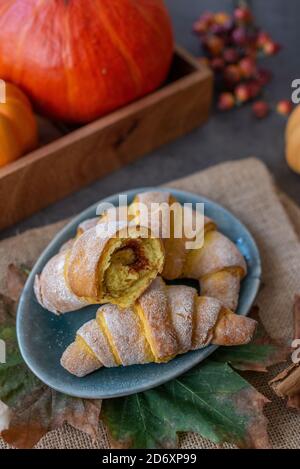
{"x":271,"y":48}
{"x":226,"y":101}
{"x":232,"y":74}
{"x":217,"y":29}
{"x":254,"y":88}
{"x":231,"y":55}
{"x":203,"y":24}
{"x":214,"y":44}
{"x":250,"y":51}
{"x":284,"y":107}
{"x":262,"y":38}
{"x":264,"y":76}
{"x":242,"y":93}
{"x":260,"y":109}
{"x":248,"y":67}
{"x":207,"y":16}
{"x":243,"y":15}
{"x":200,"y":27}
{"x":239,"y":36}
{"x":217,"y":63}
{"x":222,"y":18}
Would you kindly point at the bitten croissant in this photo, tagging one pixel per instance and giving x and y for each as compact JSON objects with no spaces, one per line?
{"x":164,"y":322}
{"x":218,"y":265}
{"x":109,"y":262}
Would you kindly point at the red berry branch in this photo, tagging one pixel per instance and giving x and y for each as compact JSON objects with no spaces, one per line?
{"x":233,"y":45}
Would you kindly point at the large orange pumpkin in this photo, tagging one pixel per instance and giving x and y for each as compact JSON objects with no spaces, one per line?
{"x":80,"y":59}
{"x":18,"y":126}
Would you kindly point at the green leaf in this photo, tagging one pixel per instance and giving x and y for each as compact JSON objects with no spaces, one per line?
{"x":16,"y":379}
{"x":37,"y":409}
{"x":212,"y":400}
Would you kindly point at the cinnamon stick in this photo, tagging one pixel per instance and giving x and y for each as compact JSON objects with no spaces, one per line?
{"x":287,"y":383}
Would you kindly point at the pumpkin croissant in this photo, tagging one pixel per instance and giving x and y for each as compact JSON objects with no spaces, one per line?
{"x":164,"y":322}
{"x":109,"y":262}
{"x":217,"y":264}
{"x":69,"y":281}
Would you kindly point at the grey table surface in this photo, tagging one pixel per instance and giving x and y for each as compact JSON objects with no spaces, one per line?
{"x":227,"y":136}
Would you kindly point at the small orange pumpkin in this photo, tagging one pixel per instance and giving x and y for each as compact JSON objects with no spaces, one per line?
{"x":292,"y":138}
{"x":18,"y":126}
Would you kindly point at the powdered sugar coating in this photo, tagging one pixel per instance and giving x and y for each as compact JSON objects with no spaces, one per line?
{"x":77,"y":361}
{"x":154,"y":303}
{"x":218,"y":253}
{"x":67,"y":245}
{"x":52,"y":290}
{"x":82,"y":227}
{"x":225,"y":286}
{"x":233,"y":329}
{"x":98,"y":343}
{"x":150,"y":197}
{"x":171,"y":314}
{"x":126,"y":334}
{"x":207,"y":312}
{"x":182,"y":302}
{"x":87,"y":225}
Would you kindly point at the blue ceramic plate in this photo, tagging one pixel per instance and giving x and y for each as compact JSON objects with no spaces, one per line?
{"x":43,"y":336}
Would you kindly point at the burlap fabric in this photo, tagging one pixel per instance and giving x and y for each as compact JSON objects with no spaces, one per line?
{"x":246,"y":188}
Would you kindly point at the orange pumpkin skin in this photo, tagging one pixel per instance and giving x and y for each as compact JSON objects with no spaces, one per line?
{"x":80,"y":59}
{"x":10,"y":148}
{"x":292,"y":139}
{"x":18,"y":126}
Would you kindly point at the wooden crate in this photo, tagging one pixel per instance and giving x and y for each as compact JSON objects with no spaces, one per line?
{"x":72,"y":158}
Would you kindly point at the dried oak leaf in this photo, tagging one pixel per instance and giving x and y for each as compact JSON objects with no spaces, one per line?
{"x":44,"y":410}
{"x":211,"y":400}
{"x":34,"y":408}
{"x":4,"y":416}
{"x":15,"y":280}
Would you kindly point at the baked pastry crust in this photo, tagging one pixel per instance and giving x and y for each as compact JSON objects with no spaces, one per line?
{"x":89,"y":278}
{"x":110,"y":262}
{"x":218,"y":265}
{"x":164,"y":322}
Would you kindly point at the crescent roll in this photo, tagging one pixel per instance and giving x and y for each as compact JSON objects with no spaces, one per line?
{"x":217,"y":264}
{"x":164,"y":322}
{"x":108,"y":263}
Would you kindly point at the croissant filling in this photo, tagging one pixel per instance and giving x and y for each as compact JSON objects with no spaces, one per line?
{"x":131,"y":263}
